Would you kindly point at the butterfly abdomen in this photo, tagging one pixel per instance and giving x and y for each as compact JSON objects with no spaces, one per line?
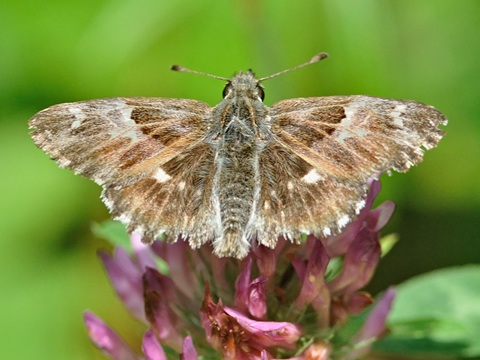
{"x":235,"y":184}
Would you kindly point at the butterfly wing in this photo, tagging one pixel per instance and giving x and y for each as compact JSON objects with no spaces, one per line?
{"x":176,"y":203}
{"x":295,"y":200}
{"x":325,"y":149}
{"x":147,"y":153}
{"x":121,"y":140}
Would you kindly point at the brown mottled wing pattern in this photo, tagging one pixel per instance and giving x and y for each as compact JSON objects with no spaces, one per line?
{"x":314,"y":174}
{"x":141,"y":150}
{"x":178,"y":203}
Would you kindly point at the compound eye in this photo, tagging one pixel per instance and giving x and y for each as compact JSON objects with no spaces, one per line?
{"x":226,"y":90}
{"x":260,"y":92}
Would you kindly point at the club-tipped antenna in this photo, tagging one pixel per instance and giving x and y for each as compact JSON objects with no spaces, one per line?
{"x":184,"y":69}
{"x":313,"y":60}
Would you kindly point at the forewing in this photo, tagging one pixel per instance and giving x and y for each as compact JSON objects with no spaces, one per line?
{"x":325,"y":149}
{"x":354,"y":137}
{"x":147,"y":153}
{"x":119,"y":141}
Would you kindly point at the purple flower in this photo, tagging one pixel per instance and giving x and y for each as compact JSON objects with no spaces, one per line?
{"x":107,"y":340}
{"x":126,"y":278}
{"x":160,"y":300}
{"x":314,"y":290}
{"x":188,"y":350}
{"x":275,"y":303}
{"x":250,"y":295}
{"x":151,"y":347}
{"x":236,"y":336}
{"x":374,"y":327}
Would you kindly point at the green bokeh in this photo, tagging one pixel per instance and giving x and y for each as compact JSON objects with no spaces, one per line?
{"x":58,"y":51}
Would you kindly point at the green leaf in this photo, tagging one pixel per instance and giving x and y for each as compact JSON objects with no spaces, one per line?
{"x":437,"y":314}
{"x":388,"y":242}
{"x":114,"y":232}
{"x":334,"y":267}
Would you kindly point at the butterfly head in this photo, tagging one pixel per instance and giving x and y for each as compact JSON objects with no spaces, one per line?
{"x":244,"y":84}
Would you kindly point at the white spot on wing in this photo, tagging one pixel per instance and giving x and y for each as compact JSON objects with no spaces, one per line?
{"x":312,"y":177}
{"x":266,"y":205}
{"x":127,"y":115}
{"x":181,"y":185}
{"x":79,"y":116}
{"x":76,"y":124}
{"x":124,"y":119}
{"x":347,"y":129}
{"x":396,"y":114}
{"x":161,"y":176}
{"x":349,"y":115}
{"x":77,"y":112}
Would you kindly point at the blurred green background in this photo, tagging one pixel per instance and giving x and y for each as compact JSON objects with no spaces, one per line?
{"x":57,"y":51}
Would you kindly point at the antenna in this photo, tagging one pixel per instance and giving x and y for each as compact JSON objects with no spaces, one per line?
{"x":184,"y":69}
{"x":313,"y":60}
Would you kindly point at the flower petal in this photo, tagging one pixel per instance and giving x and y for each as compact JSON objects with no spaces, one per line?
{"x":374,"y":326}
{"x":159,"y":297}
{"x":378,"y":218}
{"x":241,"y":285}
{"x":266,"y":258}
{"x":250,"y":295}
{"x":176,"y":256}
{"x":106,"y":339}
{"x":188,"y":350}
{"x":337,"y":245}
{"x":239,"y":337}
{"x":257,"y":298}
{"x":375,"y":187}
{"x":126,"y":279}
{"x":359,"y":264}
{"x":268,"y":333}
{"x":358,"y":302}
{"x":152,"y":348}
{"x":142,"y":251}
{"x":314,"y":290}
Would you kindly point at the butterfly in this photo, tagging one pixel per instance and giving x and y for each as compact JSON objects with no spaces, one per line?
{"x":240,"y":172}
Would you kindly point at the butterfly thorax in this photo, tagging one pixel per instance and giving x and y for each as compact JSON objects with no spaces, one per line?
{"x":238,"y":140}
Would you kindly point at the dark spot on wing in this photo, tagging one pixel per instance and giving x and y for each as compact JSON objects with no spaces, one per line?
{"x":311,"y":125}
